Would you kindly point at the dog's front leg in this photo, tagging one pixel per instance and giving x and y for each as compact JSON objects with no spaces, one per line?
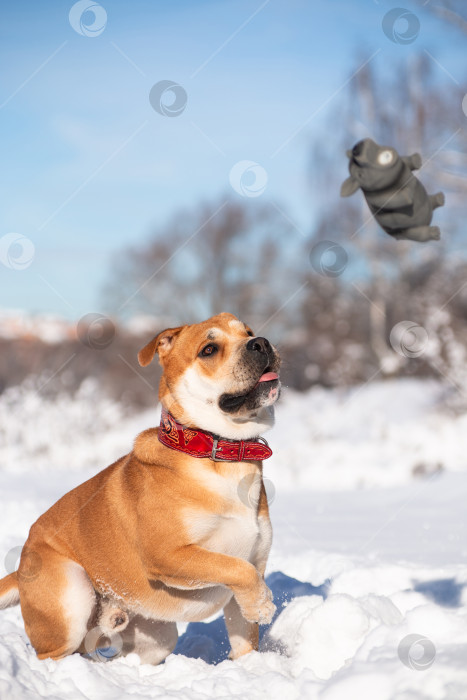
{"x":244,"y":635}
{"x":193,"y":565}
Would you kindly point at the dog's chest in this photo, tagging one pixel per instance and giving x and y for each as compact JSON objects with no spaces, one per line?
{"x":228,"y":520}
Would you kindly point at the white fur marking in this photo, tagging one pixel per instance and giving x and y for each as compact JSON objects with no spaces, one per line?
{"x":199,"y":398}
{"x":235,"y":531}
{"x":215,"y":333}
{"x":78,"y":601}
{"x":234,"y":323}
{"x":10,"y":598}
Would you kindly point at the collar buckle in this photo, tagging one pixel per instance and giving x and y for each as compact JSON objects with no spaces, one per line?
{"x":227,"y":458}
{"x":215,"y":449}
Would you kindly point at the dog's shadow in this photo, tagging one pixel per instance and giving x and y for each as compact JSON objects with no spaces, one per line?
{"x":209,"y":640}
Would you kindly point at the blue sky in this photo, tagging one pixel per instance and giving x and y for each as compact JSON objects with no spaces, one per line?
{"x":89,"y":166}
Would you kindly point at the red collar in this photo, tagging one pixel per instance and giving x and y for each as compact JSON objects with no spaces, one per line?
{"x":199,"y":443}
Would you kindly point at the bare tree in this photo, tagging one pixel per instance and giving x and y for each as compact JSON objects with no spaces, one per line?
{"x":228,"y":256}
{"x":452,"y":11}
{"x":414,"y":110}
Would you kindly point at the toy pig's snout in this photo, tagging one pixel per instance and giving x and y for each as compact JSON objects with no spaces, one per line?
{"x":357,"y":149}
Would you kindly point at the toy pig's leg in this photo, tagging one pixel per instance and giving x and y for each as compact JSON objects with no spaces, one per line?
{"x":437,"y":200}
{"x":419,"y":233}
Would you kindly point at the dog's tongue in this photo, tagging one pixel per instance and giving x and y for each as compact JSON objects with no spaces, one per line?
{"x":268,"y":377}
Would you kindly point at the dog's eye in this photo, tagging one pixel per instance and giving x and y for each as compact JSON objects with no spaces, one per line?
{"x":208,"y":350}
{"x":250,"y":333}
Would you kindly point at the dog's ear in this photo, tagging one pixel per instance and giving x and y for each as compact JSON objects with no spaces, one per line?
{"x":349,"y":186}
{"x":161,"y":344}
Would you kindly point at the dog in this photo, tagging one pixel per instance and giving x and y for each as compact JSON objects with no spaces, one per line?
{"x":165,"y":533}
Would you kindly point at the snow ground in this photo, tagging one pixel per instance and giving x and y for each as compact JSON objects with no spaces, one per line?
{"x":368,"y":492}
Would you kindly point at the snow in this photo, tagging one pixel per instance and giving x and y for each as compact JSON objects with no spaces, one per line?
{"x":15,"y":323}
{"x":369,"y":561}
{"x":52,"y":329}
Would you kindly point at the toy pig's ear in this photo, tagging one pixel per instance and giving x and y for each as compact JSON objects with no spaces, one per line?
{"x":349,"y":186}
{"x":161,"y":344}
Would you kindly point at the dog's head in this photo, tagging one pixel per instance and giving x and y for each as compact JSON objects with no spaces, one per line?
{"x":217,"y":376}
{"x":372,"y":167}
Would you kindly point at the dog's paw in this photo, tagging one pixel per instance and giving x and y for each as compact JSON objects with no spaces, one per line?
{"x":240,"y":649}
{"x":260,"y":607}
{"x":266,"y":613}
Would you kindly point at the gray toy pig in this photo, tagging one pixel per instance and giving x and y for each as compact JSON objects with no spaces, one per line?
{"x":397,"y":200}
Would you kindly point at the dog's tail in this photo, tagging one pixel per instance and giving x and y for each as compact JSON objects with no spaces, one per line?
{"x":9,"y":591}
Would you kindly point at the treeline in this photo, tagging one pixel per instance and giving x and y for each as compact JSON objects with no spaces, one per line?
{"x":333,"y":333}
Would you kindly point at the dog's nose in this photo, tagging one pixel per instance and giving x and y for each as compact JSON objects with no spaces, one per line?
{"x":259,"y":345}
{"x":357,"y":149}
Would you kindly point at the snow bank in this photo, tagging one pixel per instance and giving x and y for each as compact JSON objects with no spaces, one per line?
{"x":331,"y":644}
{"x":378,"y":435}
